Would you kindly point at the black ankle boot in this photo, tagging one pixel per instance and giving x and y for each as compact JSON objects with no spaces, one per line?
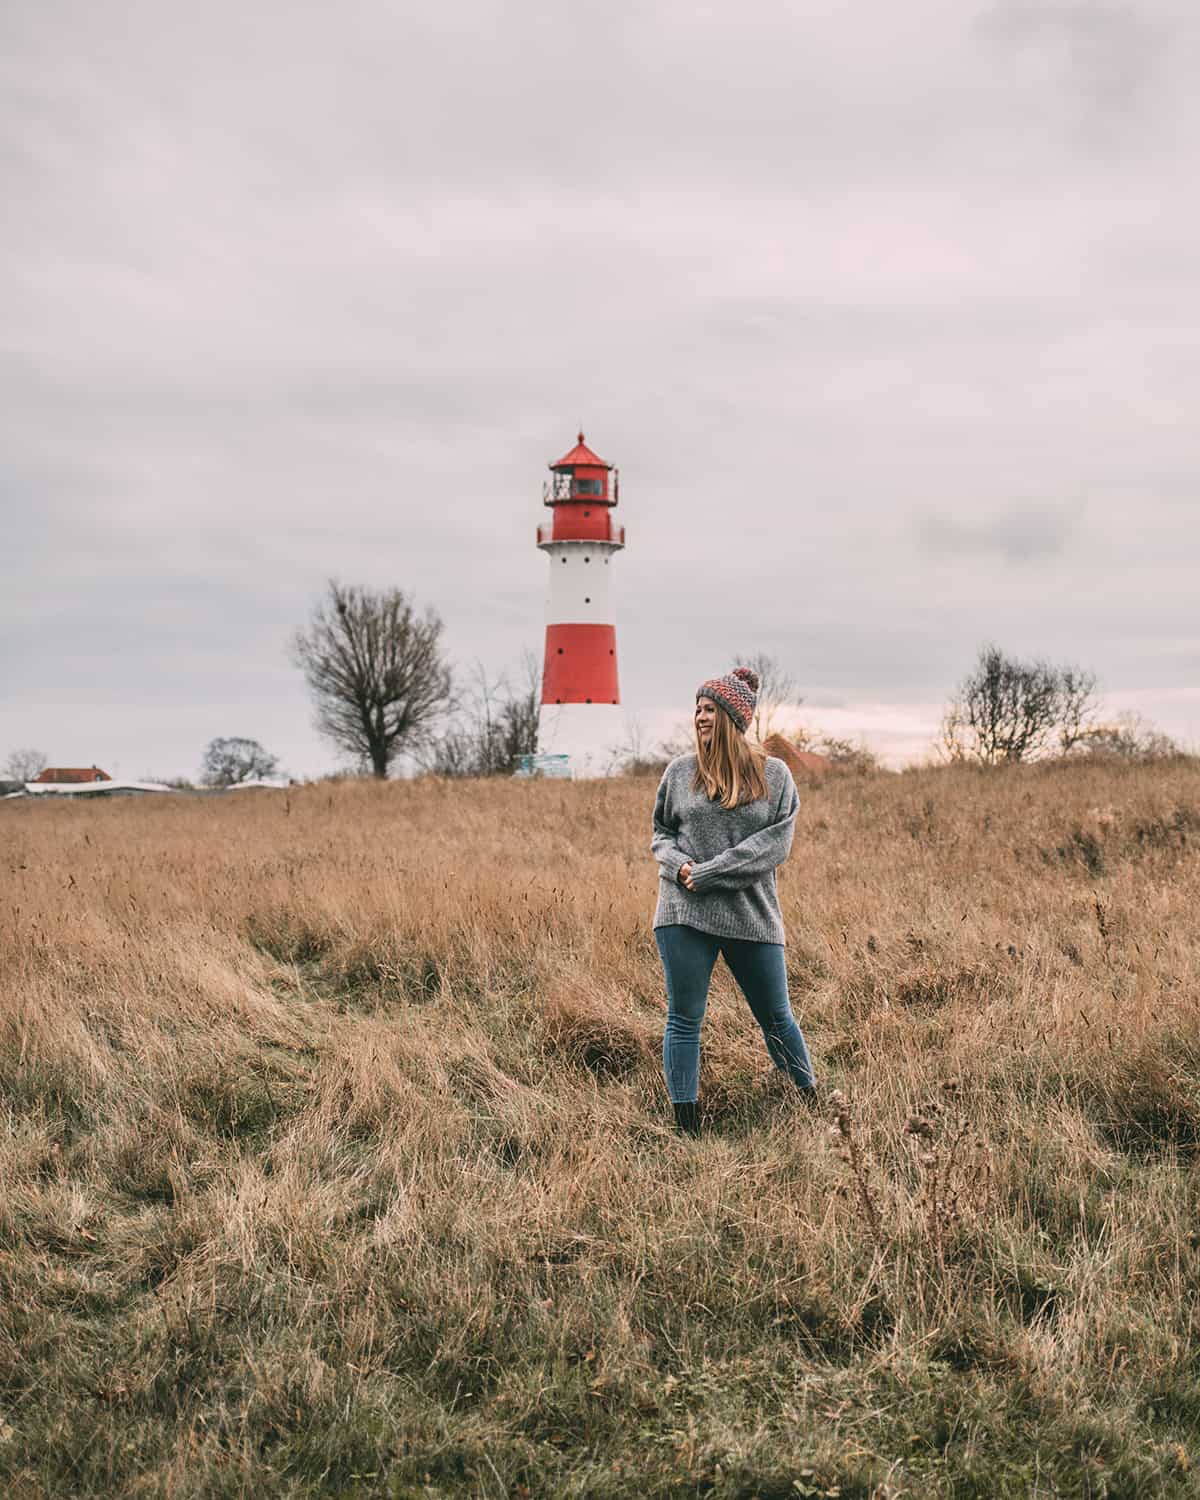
{"x":687,"y":1118}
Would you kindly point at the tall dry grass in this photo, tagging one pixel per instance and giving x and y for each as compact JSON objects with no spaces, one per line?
{"x":335,"y":1155}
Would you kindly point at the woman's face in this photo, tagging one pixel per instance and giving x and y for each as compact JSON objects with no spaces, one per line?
{"x":706,"y":718}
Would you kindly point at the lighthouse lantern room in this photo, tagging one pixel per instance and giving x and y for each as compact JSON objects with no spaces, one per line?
{"x":580,"y":714}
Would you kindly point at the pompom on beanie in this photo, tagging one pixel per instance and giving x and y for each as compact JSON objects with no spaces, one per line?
{"x":736,"y":693}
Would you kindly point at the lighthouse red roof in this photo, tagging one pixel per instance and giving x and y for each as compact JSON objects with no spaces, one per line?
{"x":579,"y":455}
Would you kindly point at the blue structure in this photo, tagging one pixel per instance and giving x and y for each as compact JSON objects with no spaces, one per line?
{"x":553,"y":767}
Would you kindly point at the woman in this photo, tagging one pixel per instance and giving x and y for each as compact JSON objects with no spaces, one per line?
{"x":723,"y":823}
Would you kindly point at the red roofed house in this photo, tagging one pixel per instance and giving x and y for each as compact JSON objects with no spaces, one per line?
{"x":799,"y":762}
{"x":64,"y":775}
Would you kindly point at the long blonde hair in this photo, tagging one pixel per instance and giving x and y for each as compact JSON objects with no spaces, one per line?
{"x":730,"y":770}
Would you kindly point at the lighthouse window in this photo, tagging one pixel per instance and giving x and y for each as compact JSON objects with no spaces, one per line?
{"x":587,"y":487}
{"x":587,"y":599}
{"x":560,"y":651}
{"x":587,"y":559}
{"x":587,"y":700}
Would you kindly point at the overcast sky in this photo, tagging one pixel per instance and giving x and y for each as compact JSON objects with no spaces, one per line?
{"x":889,"y":316}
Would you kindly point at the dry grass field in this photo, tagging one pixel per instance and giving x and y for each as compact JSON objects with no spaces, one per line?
{"x":335,"y":1159}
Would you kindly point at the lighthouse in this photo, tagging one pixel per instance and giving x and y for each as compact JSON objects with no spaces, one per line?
{"x":580,"y":714}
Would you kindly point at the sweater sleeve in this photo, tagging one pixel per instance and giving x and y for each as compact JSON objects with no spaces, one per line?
{"x":756,"y":856}
{"x":664,"y":845}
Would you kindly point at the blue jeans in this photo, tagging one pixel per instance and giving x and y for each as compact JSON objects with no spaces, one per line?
{"x":688,"y":957}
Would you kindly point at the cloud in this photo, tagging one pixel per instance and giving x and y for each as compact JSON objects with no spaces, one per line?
{"x":1021,"y":535}
{"x":1106,"y":54}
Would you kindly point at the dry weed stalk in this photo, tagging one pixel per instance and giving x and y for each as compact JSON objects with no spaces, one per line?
{"x":858,"y":1161}
{"x":1102,"y":924}
{"x":955,"y":1166}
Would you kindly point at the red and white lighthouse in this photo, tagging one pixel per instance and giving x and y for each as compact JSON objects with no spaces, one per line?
{"x":580,"y":714}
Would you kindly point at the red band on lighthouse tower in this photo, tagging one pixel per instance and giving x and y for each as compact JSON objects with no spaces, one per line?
{"x":580,"y":715}
{"x":581,"y":664}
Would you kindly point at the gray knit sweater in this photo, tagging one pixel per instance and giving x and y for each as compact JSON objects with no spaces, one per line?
{"x":734,"y":853}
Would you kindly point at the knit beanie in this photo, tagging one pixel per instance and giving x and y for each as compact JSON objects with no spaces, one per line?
{"x":736,"y":693}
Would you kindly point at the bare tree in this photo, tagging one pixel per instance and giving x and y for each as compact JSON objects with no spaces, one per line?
{"x":1005,"y":710}
{"x":521,"y":710}
{"x":1130,"y":737}
{"x":1078,"y":706}
{"x":375,"y":670}
{"x":24,"y":765}
{"x":1010,"y":710}
{"x":776,"y":692}
{"x":229,"y":762}
{"x":377,"y":673}
{"x":848,"y":755}
{"x":638,"y":757}
{"x":494,"y":722}
{"x":951,"y":742}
